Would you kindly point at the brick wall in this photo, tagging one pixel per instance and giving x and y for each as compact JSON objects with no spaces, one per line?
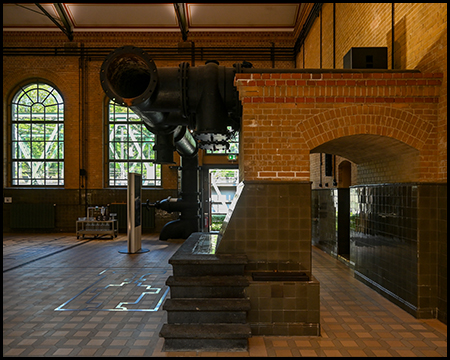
{"x":287,"y":116}
{"x":312,"y":51}
{"x":85,"y":130}
{"x":360,"y":25}
{"x":316,"y":166}
{"x":85,"y":148}
{"x":283,"y":113}
{"x":420,"y":42}
{"x":61,"y":72}
{"x":327,"y":36}
{"x":418,"y":28}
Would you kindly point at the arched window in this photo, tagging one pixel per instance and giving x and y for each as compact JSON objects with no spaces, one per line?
{"x":130,"y":148}
{"x":37,"y":142}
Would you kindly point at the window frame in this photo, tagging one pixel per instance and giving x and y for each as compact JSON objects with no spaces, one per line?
{"x":234,"y":144}
{"x":144,"y":133}
{"x":48,"y":142}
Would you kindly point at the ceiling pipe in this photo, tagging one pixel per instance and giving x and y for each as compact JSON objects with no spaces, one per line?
{"x":166,"y":53}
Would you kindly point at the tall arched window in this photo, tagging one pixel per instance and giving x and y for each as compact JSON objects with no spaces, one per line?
{"x":130,"y":148}
{"x":37,"y":142}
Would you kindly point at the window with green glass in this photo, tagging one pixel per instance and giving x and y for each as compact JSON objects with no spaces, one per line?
{"x":130,"y":148}
{"x":37,"y":141}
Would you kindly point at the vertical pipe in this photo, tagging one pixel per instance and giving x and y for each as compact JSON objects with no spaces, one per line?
{"x":334,"y":172}
{"x":272,"y":55}
{"x":188,"y":222}
{"x":393,"y":38}
{"x":334,"y":35}
{"x":320,"y":42}
{"x":80,"y":124}
{"x":320,"y":172}
{"x":83,"y":122}
{"x":303,"y":55}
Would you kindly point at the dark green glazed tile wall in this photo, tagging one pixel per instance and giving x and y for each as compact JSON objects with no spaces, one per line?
{"x":324,"y":220}
{"x":284,"y":308}
{"x":398,"y":241}
{"x":384,"y":237}
{"x":432,"y":251}
{"x":271,"y":224}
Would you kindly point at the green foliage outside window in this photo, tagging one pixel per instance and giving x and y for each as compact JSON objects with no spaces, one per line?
{"x":130,"y":148}
{"x":37,"y":142}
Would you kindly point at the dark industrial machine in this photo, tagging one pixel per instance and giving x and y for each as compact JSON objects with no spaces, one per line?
{"x":187,"y":108}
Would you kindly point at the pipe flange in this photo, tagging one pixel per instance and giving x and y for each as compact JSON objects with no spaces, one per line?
{"x":129,"y":76}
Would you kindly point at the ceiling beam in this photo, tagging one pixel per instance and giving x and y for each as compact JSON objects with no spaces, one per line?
{"x":67,"y":32}
{"x":180,"y":10}
{"x":65,"y":19}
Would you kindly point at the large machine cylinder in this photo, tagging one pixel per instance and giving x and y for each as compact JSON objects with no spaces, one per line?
{"x":186,"y":108}
{"x":130,"y":77}
{"x":203,"y":98}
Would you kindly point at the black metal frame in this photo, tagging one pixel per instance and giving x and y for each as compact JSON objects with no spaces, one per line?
{"x":14,"y":160}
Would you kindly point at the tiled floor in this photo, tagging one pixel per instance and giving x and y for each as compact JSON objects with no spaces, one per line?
{"x":69,"y":297}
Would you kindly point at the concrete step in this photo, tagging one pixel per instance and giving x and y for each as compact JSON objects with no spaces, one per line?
{"x":207,"y":286}
{"x":213,"y":310}
{"x":182,"y":337}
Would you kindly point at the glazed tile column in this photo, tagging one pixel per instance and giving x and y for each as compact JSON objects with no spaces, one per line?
{"x":270,"y":219}
{"x":271,"y":222}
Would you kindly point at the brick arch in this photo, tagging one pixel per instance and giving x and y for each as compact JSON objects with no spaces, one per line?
{"x":14,"y":82}
{"x":375,"y":120}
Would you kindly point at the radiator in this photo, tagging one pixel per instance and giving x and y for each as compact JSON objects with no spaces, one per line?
{"x":148,"y":216}
{"x":32,"y":216}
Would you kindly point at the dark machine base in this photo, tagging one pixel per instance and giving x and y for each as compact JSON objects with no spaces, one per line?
{"x":179,"y":229}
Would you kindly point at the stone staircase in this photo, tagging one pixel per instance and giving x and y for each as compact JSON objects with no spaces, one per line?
{"x":207,"y":309}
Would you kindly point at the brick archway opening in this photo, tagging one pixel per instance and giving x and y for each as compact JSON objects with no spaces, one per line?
{"x":378,"y":159}
{"x":345,"y":174}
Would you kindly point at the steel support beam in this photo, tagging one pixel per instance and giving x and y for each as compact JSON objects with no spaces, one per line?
{"x":68,"y":33}
{"x":180,"y":10}
{"x":65,"y":19}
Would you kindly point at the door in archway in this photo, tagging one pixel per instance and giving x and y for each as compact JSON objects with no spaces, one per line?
{"x":345,"y":177}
